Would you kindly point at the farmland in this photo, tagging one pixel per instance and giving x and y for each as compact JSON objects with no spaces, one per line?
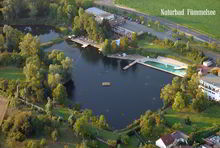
{"x":205,"y":24}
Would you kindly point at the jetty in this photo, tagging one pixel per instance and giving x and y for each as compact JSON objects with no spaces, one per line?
{"x":85,"y":42}
{"x":129,"y":65}
{"x":161,"y":60}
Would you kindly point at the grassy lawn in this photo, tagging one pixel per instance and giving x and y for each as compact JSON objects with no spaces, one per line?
{"x":200,"y":121}
{"x":145,"y":43}
{"x":206,"y":24}
{"x":107,"y":135}
{"x":133,"y":143}
{"x":11,"y":73}
{"x":63,"y":112}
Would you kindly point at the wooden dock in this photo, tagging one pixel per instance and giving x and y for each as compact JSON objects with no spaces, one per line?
{"x":129,"y":65}
{"x":85,"y":42}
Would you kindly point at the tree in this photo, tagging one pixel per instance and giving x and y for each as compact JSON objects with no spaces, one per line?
{"x":106,"y":47}
{"x":134,"y":39}
{"x":190,"y":71}
{"x":123,"y":42}
{"x":55,"y":135}
{"x":54,"y":80}
{"x":29,"y":46}
{"x":79,"y":126}
{"x":32,"y":68}
{"x":19,"y":126}
{"x":114,"y":45}
{"x":59,"y":93}
{"x":12,"y":38}
{"x":102,"y":122}
{"x":213,"y":45}
{"x":14,"y":8}
{"x":49,"y":106}
{"x":82,"y":145}
{"x":148,"y":146}
{"x":201,"y":102}
{"x":2,"y":42}
{"x":179,"y":102}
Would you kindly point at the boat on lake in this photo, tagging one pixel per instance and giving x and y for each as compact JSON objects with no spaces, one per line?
{"x":106,"y":83}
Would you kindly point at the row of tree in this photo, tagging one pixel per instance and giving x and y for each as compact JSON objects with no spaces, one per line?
{"x":184,"y":92}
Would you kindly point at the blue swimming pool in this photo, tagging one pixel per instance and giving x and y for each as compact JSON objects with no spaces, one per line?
{"x":168,"y":68}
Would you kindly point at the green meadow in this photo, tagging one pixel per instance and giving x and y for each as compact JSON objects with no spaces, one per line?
{"x":11,"y":73}
{"x":205,"y":24}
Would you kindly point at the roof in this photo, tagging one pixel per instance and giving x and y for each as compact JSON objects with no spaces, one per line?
{"x":183,"y":146}
{"x":212,"y":79}
{"x":98,"y":12}
{"x":178,"y":135}
{"x":167,"y":139}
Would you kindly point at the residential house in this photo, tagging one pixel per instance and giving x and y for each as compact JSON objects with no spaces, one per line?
{"x":171,"y":140}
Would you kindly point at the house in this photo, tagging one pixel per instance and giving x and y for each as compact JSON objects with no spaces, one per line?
{"x":210,"y":85}
{"x":212,"y":142}
{"x":171,"y":140}
{"x":99,"y":14}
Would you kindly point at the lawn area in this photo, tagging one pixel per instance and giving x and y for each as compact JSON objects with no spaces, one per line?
{"x":11,"y":73}
{"x":206,"y":24}
{"x":200,"y":121}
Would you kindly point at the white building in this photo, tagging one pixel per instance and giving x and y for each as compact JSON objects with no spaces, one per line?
{"x":99,"y":14}
{"x":171,"y":140}
{"x":210,"y":84}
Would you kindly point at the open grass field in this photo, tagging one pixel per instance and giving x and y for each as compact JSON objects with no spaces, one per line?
{"x":205,"y":24}
{"x":11,"y":73}
{"x":200,"y":121}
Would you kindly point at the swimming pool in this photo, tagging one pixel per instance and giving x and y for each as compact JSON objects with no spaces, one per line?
{"x":166,"y":67}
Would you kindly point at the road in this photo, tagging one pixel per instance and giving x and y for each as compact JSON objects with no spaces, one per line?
{"x":195,"y":34}
{"x":186,"y":30}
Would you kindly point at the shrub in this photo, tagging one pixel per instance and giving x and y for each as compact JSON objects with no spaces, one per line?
{"x":43,"y":142}
{"x":125,"y":139}
{"x":112,"y":143}
{"x":54,"y":135}
{"x":188,"y":121}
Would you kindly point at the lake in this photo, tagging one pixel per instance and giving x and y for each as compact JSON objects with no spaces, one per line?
{"x":132,"y":92}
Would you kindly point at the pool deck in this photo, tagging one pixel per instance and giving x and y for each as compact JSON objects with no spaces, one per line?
{"x":142,"y":60}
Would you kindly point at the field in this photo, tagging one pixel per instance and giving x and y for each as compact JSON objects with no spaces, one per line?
{"x":3,"y":108}
{"x":200,"y":121}
{"x":11,"y":73}
{"x":206,"y":24}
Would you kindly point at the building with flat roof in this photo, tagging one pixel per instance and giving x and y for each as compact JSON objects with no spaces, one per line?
{"x":99,"y":14}
{"x":210,"y":84}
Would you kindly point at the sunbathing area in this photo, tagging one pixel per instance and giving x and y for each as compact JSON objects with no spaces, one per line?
{"x":160,"y":63}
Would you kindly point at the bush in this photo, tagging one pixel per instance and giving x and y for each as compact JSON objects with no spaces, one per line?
{"x":55,"y":135}
{"x":43,"y":142}
{"x":125,"y":139}
{"x":188,"y":121}
{"x":112,"y":143}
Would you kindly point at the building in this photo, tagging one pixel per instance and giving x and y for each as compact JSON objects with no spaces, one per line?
{"x":210,"y":85}
{"x":171,"y":140}
{"x":99,"y":14}
{"x":207,"y":63}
